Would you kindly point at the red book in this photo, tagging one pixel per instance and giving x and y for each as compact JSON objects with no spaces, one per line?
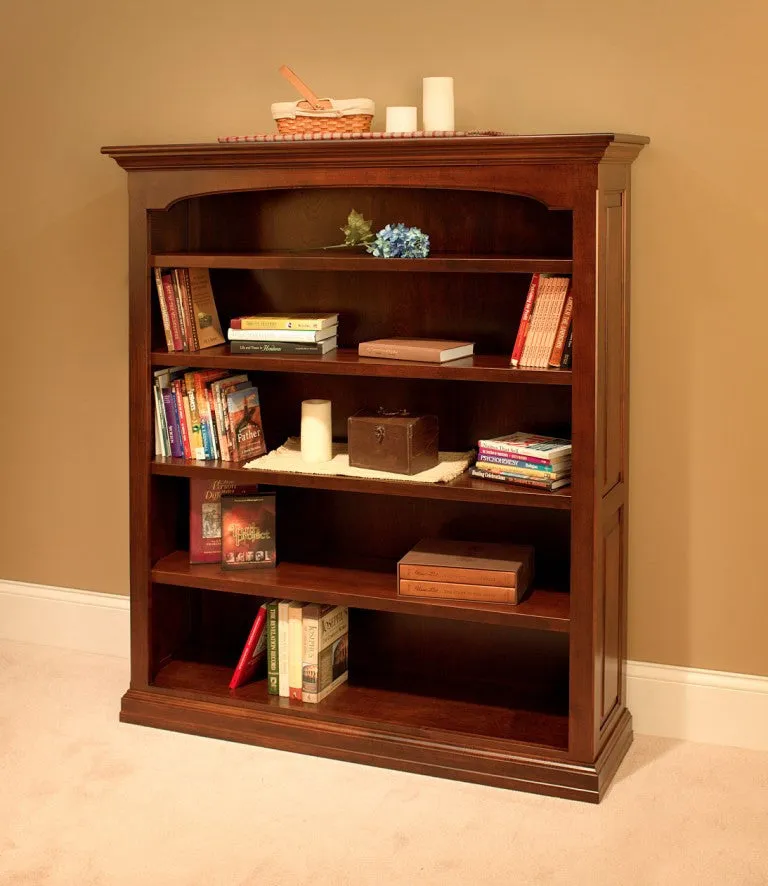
{"x":525,"y":321}
{"x":178,"y":392}
{"x":562,"y":333}
{"x":248,"y":531}
{"x":173,"y":311}
{"x":254,"y":652}
{"x":205,"y":516}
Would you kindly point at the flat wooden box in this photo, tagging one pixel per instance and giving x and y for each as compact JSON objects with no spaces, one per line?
{"x":537,"y":699}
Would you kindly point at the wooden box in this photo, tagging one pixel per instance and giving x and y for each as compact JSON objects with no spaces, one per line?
{"x":396,"y":442}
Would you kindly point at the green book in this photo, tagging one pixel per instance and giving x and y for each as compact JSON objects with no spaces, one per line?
{"x":273,"y":659}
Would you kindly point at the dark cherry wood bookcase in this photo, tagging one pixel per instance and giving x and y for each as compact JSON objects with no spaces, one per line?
{"x":529,"y":697}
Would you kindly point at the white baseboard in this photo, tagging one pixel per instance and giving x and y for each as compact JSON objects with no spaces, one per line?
{"x":685,"y":703}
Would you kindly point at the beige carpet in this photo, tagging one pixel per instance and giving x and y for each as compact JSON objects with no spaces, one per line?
{"x":87,"y":801}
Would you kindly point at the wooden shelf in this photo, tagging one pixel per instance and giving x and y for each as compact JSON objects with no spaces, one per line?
{"x":463,"y":488}
{"x":339,"y":260}
{"x":491,"y":715}
{"x":545,"y":610}
{"x":345,"y":361}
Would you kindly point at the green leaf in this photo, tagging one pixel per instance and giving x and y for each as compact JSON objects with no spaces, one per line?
{"x":357,"y":230}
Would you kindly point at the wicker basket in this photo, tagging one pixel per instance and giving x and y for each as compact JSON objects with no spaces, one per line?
{"x":344,"y":115}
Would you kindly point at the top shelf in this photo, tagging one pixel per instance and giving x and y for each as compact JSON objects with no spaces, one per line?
{"x":346,"y":260}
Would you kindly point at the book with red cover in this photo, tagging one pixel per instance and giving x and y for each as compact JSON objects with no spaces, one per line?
{"x":556,"y":357}
{"x":248,"y":531}
{"x":254,"y":652}
{"x":205,"y":516}
{"x":173,"y":312}
{"x":525,"y":321}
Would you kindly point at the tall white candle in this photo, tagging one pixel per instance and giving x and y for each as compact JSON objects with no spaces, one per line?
{"x":316,"y":430}
{"x":437,"y":104}
{"x":401,"y":119}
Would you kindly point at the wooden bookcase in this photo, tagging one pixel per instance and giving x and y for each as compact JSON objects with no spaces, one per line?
{"x":529,"y":697}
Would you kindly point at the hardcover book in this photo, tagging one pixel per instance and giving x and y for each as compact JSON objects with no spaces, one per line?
{"x":280,"y":321}
{"x":273,"y":672}
{"x":325,"y":655}
{"x":295,"y":649}
{"x":308,"y":336}
{"x":205,"y":516}
{"x":283,"y":347}
{"x":206,"y":317}
{"x":246,"y":434}
{"x":422,"y":350}
{"x":248,"y":531}
{"x":445,"y":590}
{"x":254,"y":652}
{"x":282,"y":647}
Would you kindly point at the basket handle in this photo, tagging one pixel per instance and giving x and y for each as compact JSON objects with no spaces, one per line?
{"x":301,"y":87}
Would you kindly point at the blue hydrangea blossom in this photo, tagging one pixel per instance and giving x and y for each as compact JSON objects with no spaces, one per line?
{"x":399,"y":241}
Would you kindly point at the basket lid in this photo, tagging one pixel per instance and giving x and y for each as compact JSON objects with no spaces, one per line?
{"x":340,"y":107}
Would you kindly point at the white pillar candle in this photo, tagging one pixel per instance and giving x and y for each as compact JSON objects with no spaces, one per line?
{"x":401,"y":119}
{"x":316,"y":430}
{"x":437,"y":104}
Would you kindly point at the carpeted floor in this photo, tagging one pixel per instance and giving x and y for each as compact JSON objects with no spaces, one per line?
{"x":87,"y":801}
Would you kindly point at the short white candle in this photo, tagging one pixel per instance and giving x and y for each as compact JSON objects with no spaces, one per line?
{"x":401,"y":119}
{"x":437,"y":104}
{"x":316,"y":430}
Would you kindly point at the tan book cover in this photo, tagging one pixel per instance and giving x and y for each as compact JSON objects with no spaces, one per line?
{"x":540,"y":309}
{"x":475,"y":563}
{"x":423,"y":350}
{"x":552,"y":321}
{"x":207,"y":324}
{"x":452,"y":591}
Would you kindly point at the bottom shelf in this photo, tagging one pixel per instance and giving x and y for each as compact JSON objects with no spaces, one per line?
{"x":516,"y":715}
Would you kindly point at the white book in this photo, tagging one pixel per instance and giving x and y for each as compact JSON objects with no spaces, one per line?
{"x":295,"y":646}
{"x":282,"y":647}
{"x":305,"y":335}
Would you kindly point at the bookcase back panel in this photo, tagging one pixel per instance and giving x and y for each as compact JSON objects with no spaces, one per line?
{"x":457,"y":221}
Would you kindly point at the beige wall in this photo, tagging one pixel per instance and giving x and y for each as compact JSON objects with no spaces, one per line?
{"x":691,"y":75}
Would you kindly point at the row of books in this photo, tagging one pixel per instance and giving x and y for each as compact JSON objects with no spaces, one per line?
{"x":303,"y":647}
{"x":525,"y":459}
{"x":301,"y":333}
{"x":188,"y":310}
{"x":545,"y":334}
{"x":207,"y":414}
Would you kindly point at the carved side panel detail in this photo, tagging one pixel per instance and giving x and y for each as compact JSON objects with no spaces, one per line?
{"x":610,"y":614}
{"x":611,"y":339}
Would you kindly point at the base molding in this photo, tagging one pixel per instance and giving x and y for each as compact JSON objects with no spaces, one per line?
{"x":684,"y":703}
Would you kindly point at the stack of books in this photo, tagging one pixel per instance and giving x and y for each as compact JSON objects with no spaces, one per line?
{"x":284,"y":334}
{"x":207,"y":414}
{"x":190,"y":319}
{"x":545,"y":335}
{"x":484,"y":572}
{"x":525,"y":459}
{"x":305,"y":647}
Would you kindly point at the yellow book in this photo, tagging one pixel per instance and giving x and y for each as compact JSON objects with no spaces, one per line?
{"x":291,"y":321}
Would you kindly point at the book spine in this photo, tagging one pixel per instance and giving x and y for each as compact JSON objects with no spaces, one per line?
{"x":282,"y":647}
{"x":486,"y":449}
{"x":565,"y":363}
{"x":216,"y":390}
{"x":520,"y":481}
{"x":164,"y":310}
{"x":282,"y":335}
{"x":198,"y":451}
{"x":295,"y":649}
{"x":310,"y":629}
{"x":170,"y":300}
{"x":189,"y":307}
{"x":458,"y":575}
{"x":534,"y":329}
{"x":393,"y":352}
{"x":273,"y":673}
{"x":548,"y":467}
{"x":250,"y":645}
{"x":174,"y":431}
{"x":211,"y":410}
{"x":525,"y":321}
{"x":450,"y":591}
{"x":557,"y":302}
{"x":562,"y":333}
{"x":542,"y":456}
{"x":542,"y":324}
{"x":274,"y":347}
{"x":178,"y":392}
{"x":177,"y":294}
{"x":507,"y":471}
{"x":163,"y":426}
{"x":281,"y":323}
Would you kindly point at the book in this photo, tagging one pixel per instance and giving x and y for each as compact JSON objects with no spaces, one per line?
{"x":308,"y":336}
{"x":519,"y":481}
{"x":556,"y":357}
{"x":246,"y":433}
{"x":325,"y":650}
{"x":273,"y":673}
{"x":165,"y":316}
{"x":536,"y":325}
{"x":565,"y":363}
{"x":492,"y":564}
{"x":177,"y":386}
{"x":521,"y":443}
{"x":189,"y":309}
{"x":172,"y":422}
{"x":423,"y":350}
{"x":490,"y":452}
{"x":205,"y":316}
{"x":552,"y":320}
{"x":254,"y":651}
{"x":533,"y":473}
{"x":219,"y":389}
{"x":525,"y":321}
{"x":283,"y":347}
{"x":290,"y":321}
{"x":282,"y":647}
{"x":248,"y":531}
{"x":489,"y":455}
{"x":295,"y":648}
{"x":453,"y":591}
{"x":205,"y":516}
{"x":195,"y":435}
{"x":182,"y":314}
